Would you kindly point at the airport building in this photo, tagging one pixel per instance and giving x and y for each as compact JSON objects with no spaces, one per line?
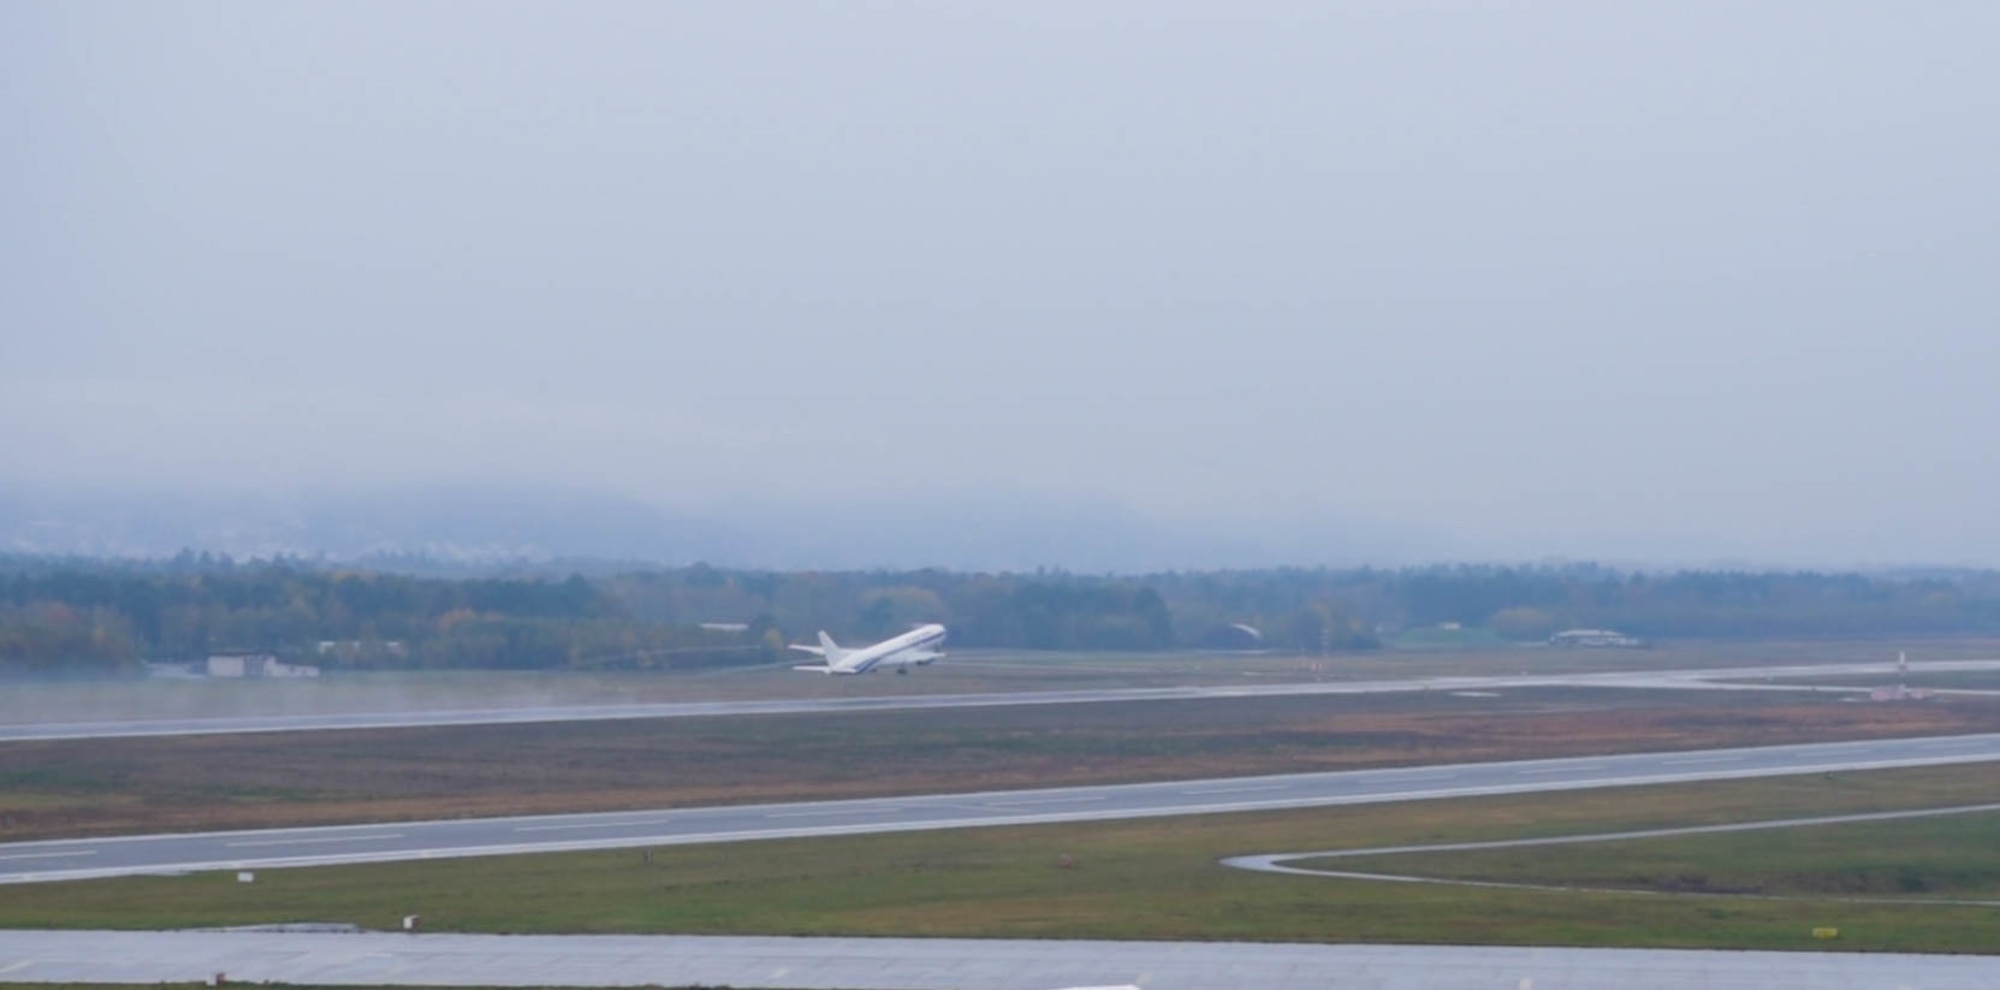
{"x":243,"y":664}
{"x":1597,"y":639}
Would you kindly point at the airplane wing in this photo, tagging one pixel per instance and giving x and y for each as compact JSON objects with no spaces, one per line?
{"x":814,"y":650}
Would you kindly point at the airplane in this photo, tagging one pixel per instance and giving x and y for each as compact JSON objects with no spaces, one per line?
{"x":916,"y":648}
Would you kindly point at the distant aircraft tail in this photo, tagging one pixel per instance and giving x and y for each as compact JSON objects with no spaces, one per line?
{"x":833,"y":653}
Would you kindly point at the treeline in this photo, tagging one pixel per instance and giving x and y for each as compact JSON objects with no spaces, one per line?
{"x":1530,"y":603}
{"x":97,"y":616}
{"x":89,"y":617}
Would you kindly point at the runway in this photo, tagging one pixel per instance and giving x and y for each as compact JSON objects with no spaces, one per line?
{"x":28,"y":862}
{"x":377,"y":959}
{"x":1712,"y":679}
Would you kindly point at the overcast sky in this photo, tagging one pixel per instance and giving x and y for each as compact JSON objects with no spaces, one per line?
{"x":1667,"y":281}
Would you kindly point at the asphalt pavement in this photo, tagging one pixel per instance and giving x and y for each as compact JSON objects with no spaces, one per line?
{"x":1712,"y":679}
{"x":27,"y":862}
{"x":378,"y":959}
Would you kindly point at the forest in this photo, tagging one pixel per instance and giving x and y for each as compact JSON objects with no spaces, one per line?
{"x":75,"y":616}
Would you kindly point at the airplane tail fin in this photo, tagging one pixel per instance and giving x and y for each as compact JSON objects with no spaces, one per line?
{"x":834,"y":653}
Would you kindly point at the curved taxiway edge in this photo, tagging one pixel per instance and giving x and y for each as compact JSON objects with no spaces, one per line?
{"x":1282,"y":862}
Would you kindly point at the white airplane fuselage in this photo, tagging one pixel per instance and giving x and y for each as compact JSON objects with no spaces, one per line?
{"x":915,"y":648}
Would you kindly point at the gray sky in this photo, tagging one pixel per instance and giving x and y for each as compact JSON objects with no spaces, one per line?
{"x":1668,"y":281}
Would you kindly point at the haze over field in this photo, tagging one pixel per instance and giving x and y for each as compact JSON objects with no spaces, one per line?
{"x":1109,"y":285}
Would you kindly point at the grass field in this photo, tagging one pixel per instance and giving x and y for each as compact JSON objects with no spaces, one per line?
{"x":84,"y":787}
{"x":1449,"y":639}
{"x":1156,"y":878}
{"x":1981,"y":680}
{"x":1954,"y":857}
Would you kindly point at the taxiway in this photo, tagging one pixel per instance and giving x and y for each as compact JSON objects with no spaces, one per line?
{"x":378,"y":959}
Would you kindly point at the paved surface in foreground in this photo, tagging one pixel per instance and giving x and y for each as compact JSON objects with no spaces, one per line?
{"x":64,"y":859}
{"x":1713,"y":679}
{"x":938,"y":964}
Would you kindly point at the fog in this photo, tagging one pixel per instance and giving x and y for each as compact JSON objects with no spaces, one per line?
{"x":1694,"y":282}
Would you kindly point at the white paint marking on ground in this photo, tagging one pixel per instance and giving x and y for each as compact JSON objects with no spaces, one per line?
{"x":1702,"y":759}
{"x":1046,"y":800}
{"x":16,"y":967}
{"x":1569,"y":769}
{"x":62,"y":855}
{"x":1241,"y":790}
{"x":829,"y":811}
{"x":304,"y":842}
{"x":564,"y":828}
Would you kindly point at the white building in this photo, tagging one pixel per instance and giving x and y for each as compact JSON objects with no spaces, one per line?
{"x":256,"y":665}
{"x":1600,"y":639}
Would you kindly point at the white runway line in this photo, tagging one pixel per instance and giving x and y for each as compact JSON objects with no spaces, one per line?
{"x":303,"y":842}
{"x":830,"y":811}
{"x":55,"y":855}
{"x":1047,"y":800}
{"x":1241,"y":790}
{"x":563,"y":828}
{"x":1692,"y":761}
{"x":1571,"y":769}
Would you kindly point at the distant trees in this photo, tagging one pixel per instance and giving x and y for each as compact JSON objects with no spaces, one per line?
{"x":103,"y":617}
{"x":1321,"y":627}
{"x":54,"y":638}
{"x":1524,"y":623}
{"x":1051,"y":615}
{"x":1527,"y":603}
{"x":890,"y":610}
